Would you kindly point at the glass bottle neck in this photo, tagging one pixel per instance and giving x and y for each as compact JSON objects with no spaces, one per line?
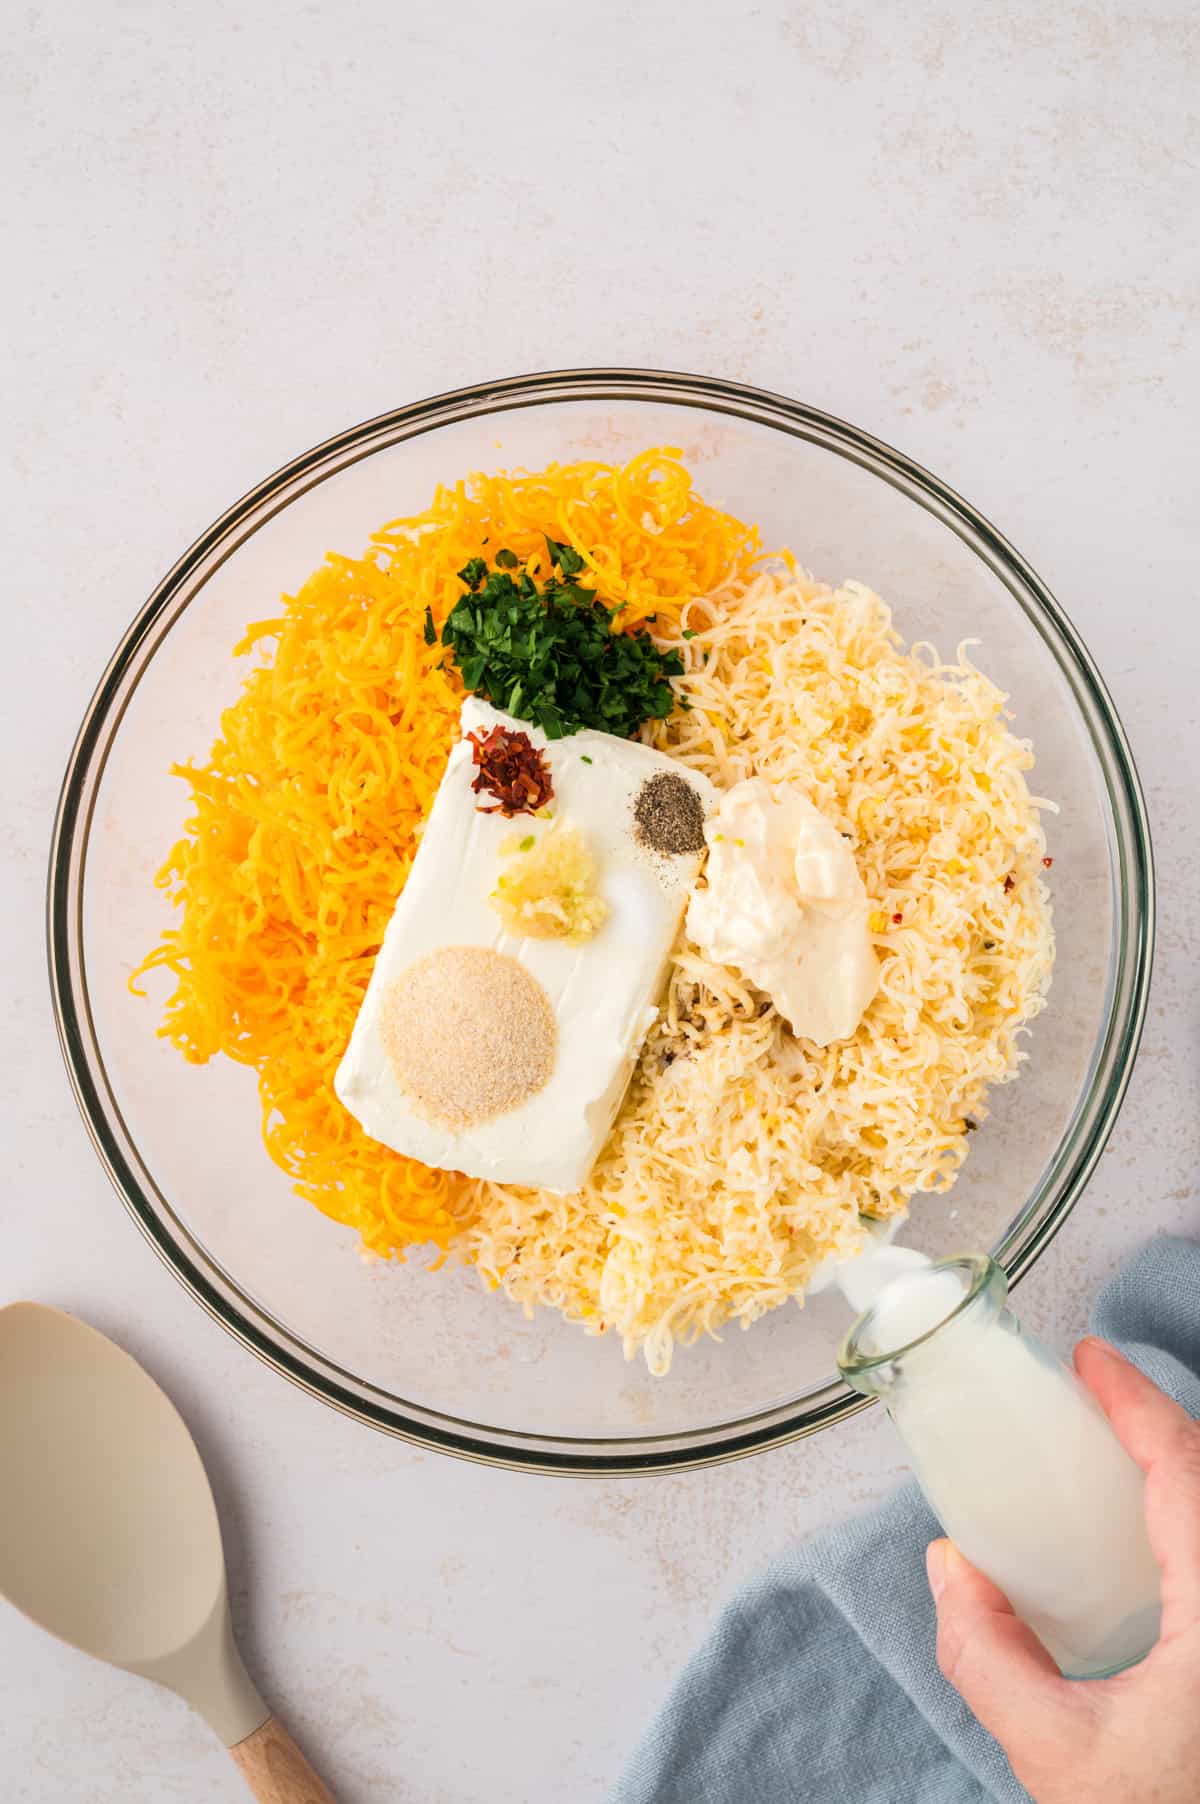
{"x":917,"y":1312}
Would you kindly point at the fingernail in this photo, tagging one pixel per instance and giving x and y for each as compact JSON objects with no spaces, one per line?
{"x":935,"y":1567}
{"x":1097,"y":1348}
{"x":943,"y":1562}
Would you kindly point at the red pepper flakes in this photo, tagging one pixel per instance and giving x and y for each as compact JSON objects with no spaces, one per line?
{"x":896,"y":920}
{"x":1010,"y":883}
{"x":1047,"y":862}
{"x":512,"y":769}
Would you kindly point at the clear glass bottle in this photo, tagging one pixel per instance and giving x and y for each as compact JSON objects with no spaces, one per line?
{"x":1016,"y":1459}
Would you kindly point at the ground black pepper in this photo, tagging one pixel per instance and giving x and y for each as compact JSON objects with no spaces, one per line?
{"x":669,"y":815}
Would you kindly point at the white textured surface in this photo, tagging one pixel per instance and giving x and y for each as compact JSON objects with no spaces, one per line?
{"x":970,"y":230}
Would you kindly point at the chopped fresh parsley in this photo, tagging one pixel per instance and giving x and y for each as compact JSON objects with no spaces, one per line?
{"x":430,"y":629}
{"x":507,"y":560}
{"x":583,"y":758}
{"x":689,"y":632}
{"x":545,"y":650}
{"x":473,"y":573}
{"x":565,"y":556}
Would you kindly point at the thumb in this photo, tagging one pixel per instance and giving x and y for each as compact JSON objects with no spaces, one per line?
{"x":994,"y":1661}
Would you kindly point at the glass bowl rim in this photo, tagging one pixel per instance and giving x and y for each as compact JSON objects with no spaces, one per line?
{"x":1043,"y":1212}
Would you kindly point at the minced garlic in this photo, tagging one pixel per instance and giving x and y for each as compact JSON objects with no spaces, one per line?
{"x":547,"y":888}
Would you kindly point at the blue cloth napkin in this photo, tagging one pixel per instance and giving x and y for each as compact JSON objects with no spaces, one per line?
{"x":819,"y":1681}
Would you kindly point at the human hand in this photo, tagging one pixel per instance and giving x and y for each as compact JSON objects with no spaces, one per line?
{"x":1132,"y":1739}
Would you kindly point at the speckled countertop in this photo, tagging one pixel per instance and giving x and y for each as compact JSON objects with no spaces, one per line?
{"x":969,"y":230}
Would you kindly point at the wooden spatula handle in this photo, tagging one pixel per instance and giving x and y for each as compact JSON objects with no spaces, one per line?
{"x":275,"y":1769}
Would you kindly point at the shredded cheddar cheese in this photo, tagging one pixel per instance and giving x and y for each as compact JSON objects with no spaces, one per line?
{"x":305,"y":818}
{"x":652,"y":543}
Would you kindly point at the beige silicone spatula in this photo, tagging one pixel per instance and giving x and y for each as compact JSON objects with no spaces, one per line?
{"x":109,"y":1535}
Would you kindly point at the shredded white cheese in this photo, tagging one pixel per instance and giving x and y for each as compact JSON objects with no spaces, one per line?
{"x":743,"y":1156}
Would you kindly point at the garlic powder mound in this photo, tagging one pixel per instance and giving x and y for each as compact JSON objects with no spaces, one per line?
{"x":469,"y":1034}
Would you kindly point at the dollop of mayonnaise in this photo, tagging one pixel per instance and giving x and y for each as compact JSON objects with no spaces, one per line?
{"x":786,"y":907}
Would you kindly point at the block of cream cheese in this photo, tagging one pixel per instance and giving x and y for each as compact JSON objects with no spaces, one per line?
{"x":604,"y":992}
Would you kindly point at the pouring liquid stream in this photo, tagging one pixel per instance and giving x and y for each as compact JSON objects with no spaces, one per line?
{"x":1016,"y":1458}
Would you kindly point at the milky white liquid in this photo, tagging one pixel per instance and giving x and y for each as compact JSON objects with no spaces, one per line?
{"x":1018,"y":1462}
{"x":863,"y":1280}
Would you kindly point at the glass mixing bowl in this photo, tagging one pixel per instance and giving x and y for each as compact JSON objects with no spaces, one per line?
{"x":436,"y":1359}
